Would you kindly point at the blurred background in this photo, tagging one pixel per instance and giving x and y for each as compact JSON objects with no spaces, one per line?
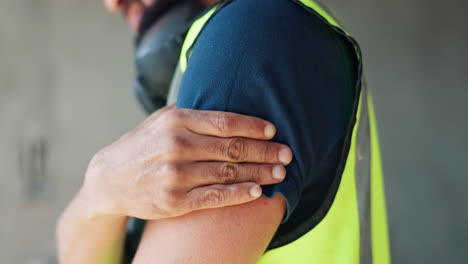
{"x":65,"y":76}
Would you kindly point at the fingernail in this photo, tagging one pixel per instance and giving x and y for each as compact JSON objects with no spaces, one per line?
{"x":279,"y":172}
{"x":269,"y":131}
{"x":256,"y":191}
{"x":285,"y":155}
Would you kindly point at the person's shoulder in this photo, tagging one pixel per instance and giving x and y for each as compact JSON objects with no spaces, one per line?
{"x":267,"y":26}
{"x":262,"y":13}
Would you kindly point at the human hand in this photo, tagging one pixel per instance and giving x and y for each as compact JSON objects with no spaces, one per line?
{"x":182,"y":160}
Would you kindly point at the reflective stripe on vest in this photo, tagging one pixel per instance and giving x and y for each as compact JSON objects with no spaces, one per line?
{"x":352,"y":223}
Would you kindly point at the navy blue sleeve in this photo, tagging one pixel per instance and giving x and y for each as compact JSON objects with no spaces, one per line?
{"x":278,"y":62}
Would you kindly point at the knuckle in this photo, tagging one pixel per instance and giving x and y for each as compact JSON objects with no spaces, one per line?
{"x":222,"y":123}
{"x":171,"y":183}
{"x":236,"y":149}
{"x":228,"y":173}
{"x":177,"y":114}
{"x":211,"y":198}
{"x":267,"y":151}
{"x":177,"y":144}
{"x":174,"y":169}
{"x":173,"y":118}
{"x":171,"y":201}
{"x":173,"y":179}
{"x":256,"y":172}
{"x":167,"y":118}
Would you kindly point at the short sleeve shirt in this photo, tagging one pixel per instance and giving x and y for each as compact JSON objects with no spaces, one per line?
{"x":278,"y":62}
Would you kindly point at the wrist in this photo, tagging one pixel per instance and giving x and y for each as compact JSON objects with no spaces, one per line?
{"x":93,"y":196}
{"x":91,"y":206}
{"x":84,"y":233}
{"x":82,"y":215}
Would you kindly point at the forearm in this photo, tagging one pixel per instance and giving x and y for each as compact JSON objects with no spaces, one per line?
{"x":84,"y":237}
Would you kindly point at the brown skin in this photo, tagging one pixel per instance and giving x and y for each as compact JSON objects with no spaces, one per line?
{"x":182,"y":160}
{"x":235,"y":234}
{"x":175,"y":162}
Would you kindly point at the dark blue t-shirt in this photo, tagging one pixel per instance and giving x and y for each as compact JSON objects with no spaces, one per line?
{"x":275,"y":60}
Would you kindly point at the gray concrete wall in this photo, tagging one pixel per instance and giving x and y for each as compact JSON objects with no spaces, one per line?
{"x":65,"y":73}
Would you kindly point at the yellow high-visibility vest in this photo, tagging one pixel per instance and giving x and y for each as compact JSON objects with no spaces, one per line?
{"x":354,"y":226}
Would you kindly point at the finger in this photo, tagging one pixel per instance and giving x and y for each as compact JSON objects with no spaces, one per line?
{"x":224,"y":124}
{"x":207,"y":173}
{"x":220,"y":195}
{"x":239,"y":150}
